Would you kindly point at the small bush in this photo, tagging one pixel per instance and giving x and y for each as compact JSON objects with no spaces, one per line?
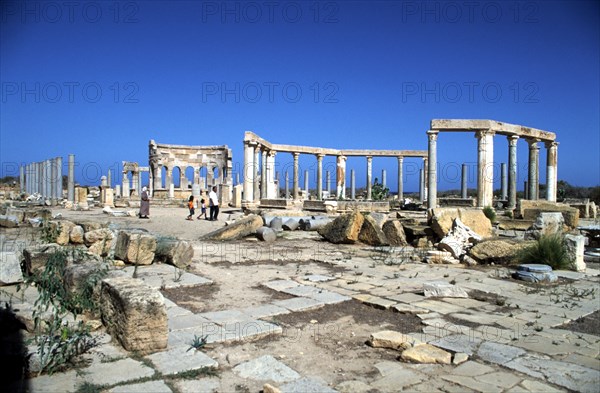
{"x":490,"y":213}
{"x":508,"y":213}
{"x":548,"y":250}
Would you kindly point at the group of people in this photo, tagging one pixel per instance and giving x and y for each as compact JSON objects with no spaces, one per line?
{"x":213,"y":204}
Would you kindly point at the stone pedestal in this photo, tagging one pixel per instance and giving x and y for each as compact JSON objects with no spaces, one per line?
{"x":107,"y":197}
{"x":236,"y":200}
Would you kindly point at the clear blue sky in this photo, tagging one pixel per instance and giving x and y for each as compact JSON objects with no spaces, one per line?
{"x":100,"y":79}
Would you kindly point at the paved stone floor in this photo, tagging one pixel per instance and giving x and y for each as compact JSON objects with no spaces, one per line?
{"x":514,"y":344}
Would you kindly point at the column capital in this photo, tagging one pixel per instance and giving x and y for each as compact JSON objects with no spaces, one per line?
{"x":296,"y":155}
{"x":512,"y":139}
{"x":320,"y":156}
{"x":272,"y":153}
{"x":484,"y":133}
{"x":369,"y":158}
{"x":551,"y":144}
{"x":433,"y":134}
{"x":400,"y":158}
{"x":532,"y":142}
{"x":342,"y":157}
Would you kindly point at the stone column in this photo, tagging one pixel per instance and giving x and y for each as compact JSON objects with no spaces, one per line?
{"x":263,"y":175}
{"x":183,"y":180}
{"x":256,"y":180}
{"x":272,"y":192}
{"x":320,"y":176}
{"x":135,"y":181}
{"x":340,"y":180}
{"x":22,"y":179}
{"x":352,"y":185}
{"x":210,"y":177}
{"x":237,"y":178}
{"x":248,"y":172}
{"x":26,"y":179}
{"x":431,"y":169}
{"x":485,"y":167}
{"x":425,"y":178}
{"x":369,"y":176}
{"x":463,"y":183}
{"x":139,"y":185}
{"x":383,"y":178}
{"x":158,"y":177}
{"x":512,"y":171}
{"x":422,"y":185}
{"x":48,"y":179}
{"x":150,"y":183}
{"x":169,"y":178}
{"x":328,"y":182}
{"x":125,"y":185}
{"x":42,"y":178}
{"x":103,"y":182}
{"x":59,"y":180}
{"x":296,"y":175}
{"x":525,"y":190}
{"x":287,"y":185}
{"x":503,"y":182}
{"x":306,"y":183}
{"x":551,"y":170}
{"x":109,"y":178}
{"x":400,"y":178}
{"x":534,"y":152}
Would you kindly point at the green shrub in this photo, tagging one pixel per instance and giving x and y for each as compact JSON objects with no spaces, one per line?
{"x":548,"y":250}
{"x":379,"y":192}
{"x":50,"y":231}
{"x":508,"y":213}
{"x":490,"y":213}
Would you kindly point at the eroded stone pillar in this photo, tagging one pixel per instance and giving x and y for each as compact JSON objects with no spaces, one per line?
{"x":485,"y":167}
{"x":210,"y":176}
{"x":306,"y":183}
{"x":139,"y":184}
{"x":263,"y":175}
{"x":103,"y":182}
{"x":369,"y":177}
{"x":328,"y":182}
{"x":135,"y":181}
{"x":248,"y":172}
{"x":287,"y":185}
{"x":503,"y":182}
{"x":533,"y":179}
{"x":551,"y":170}
{"x":512,"y":171}
{"x":422,"y":185}
{"x":296,"y":175}
{"x":158,"y":177}
{"x":125,"y":185}
{"x":109,"y":178}
{"x":383,"y":178}
{"x":320,"y":176}
{"x":400,"y":179}
{"x":71,"y":179}
{"x":352,"y":184}
{"x":463,"y":183}
{"x":169,"y":178}
{"x":271,"y":183}
{"x":22,"y":179}
{"x":431,"y":169}
{"x":256,"y":179}
{"x":340,"y":179}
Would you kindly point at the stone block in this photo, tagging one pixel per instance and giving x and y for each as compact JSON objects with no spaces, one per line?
{"x":442,"y":219}
{"x":174,"y":252}
{"x":76,"y":235}
{"x":10,"y":268}
{"x":546,"y":224}
{"x":37,"y":256}
{"x":8,"y":221}
{"x":530,"y":210}
{"x":180,"y":359}
{"x":134,"y":314}
{"x":266,"y":234}
{"x":427,"y":353}
{"x":498,"y":251}
{"x":135,"y":247}
{"x":394,"y":233}
{"x":238,"y":229}
{"x":575,"y":249}
{"x":443,"y":289}
{"x":392,"y":339}
{"x":63,"y":227}
{"x":371,"y":233}
{"x":344,"y":229}
{"x":266,"y":368}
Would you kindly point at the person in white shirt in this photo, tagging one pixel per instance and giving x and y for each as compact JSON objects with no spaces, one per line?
{"x":214,"y":204}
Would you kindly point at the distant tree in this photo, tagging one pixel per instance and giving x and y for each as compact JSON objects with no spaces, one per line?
{"x":379,"y":192}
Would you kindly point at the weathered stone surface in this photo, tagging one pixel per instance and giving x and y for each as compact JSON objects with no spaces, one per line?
{"x":76,"y":235}
{"x":116,"y":372}
{"x":546,"y":224}
{"x":575,"y":249}
{"x":344,"y":229}
{"x":150,"y":386}
{"x":268,"y":388}
{"x":306,"y":385}
{"x":203,"y":385}
{"x":392,"y":339}
{"x":8,"y":221}
{"x":459,"y":239}
{"x":174,"y":252}
{"x":443,"y":217}
{"x":498,"y":353}
{"x":443,"y":289}
{"x":266,"y":368}
{"x":266,"y":234}
{"x":427,"y":354}
{"x":134,"y":314}
{"x":371,"y":233}
{"x":10,"y":268}
{"x":180,"y":359}
{"x":96,"y":235}
{"x":276,"y":224}
{"x":460,"y":358}
{"x":89,"y":226}
{"x":291,"y":224}
{"x":379,"y":218}
{"x":352,"y":387}
{"x":530,"y":210}
{"x":458,"y":343}
{"x":135,"y":247}
{"x":238,"y":229}
{"x":394,"y":233}
{"x":37,"y":256}
{"x":498,"y":251}
{"x":64,"y":227}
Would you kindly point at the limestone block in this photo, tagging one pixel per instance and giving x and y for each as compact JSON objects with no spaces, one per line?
{"x":276,"y":224}
{"x":530,"y":210}
{"x":498,"y":251}
{"x":64,"y":227}
{"x":134,"y":314}
{"x":344,"y":229}
{"x":443,"y":289}
{"x":238,"y":229}
{"x":174,"y":252}
{"x":8,"y":221}
{"x":36,"y":256}
{"x":427,"y":353}
{"x":459,"y":239}
{"x":392,"y":339}
{"x":76,"y":275}
{"x":19,"y":214}
{"x":76,"y":235}
{"x":291,"y":224}
{"x":266,"y":234}
{"x":96,"y":235}
{"x":371,"y":233}
{"x":394,"y":233}
{"x":575,"y":249}
{"x":10,"y":268}
{"x":443,"y":218}
{"x":546,"y":224}
{"x":380,"y":218}
{"x":135,"y":247}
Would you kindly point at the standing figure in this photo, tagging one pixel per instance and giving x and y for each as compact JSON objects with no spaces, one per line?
{"x":144,"y":204}
{"x":191,"y":207}
{"x":203,"y":209}
{"x":214,"y":204}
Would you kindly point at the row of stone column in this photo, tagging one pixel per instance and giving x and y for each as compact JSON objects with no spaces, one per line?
{"x":261,"y":186}
{"x":485,"y":174}
{"x":223,"y":176}
{"x":45,"y":178}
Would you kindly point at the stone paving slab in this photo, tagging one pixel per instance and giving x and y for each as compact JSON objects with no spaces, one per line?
{"x":329,"y":297}
{"x":394,"y":376}
{"x":225,"y":316}
{"x":438,"y":306}
{"x":472,"y":369}
{"x":263,"y":311}
{"x":145,"y":387}
{"x":458,"y":343}
{"x":306,"y":385}
{"x":203,"y":385}
{"x":299,"y":304}
{"x":529,"y":385}
{"x":160,"y":275}
{"x":302,"y":290}
{"x":60,"y":382}
{"x":173,"y":312}
{"x":374,"y":301}
{"x":279,"y":285}
{"x":116,"y":372}
{"x":180,"y":359}
{"x":186,"y":321}
{"x":473,"y":383}
{"x":318,"y":278}
{"x":266,"y":368}
{"x":404,"y":308}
